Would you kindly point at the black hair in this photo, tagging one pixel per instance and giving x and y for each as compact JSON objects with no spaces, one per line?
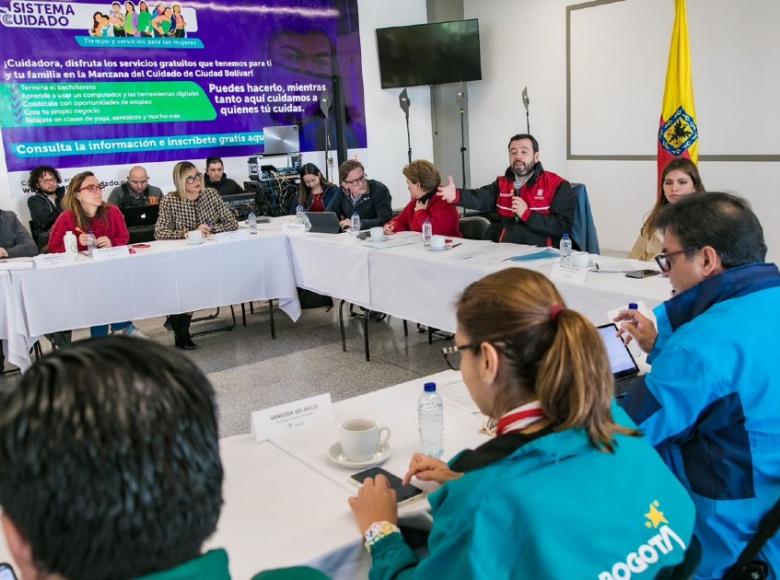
{"x":38,"y":172}
{"x":720,"y":220}
{"x":109,"y":459}
{"x":211,"y":160}
{"x":520,"y":136}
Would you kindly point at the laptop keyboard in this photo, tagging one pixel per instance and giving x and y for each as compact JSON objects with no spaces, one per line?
{"x":623,"y":386}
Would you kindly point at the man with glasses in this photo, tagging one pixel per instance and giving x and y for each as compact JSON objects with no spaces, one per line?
{"x":711,"y":403}
{"x":136,"y":191}
{"x":369,"y":198}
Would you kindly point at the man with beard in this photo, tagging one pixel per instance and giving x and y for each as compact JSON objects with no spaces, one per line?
{"x":534,"y":206}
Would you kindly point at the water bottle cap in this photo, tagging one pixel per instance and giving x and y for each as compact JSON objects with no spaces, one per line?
{"x":633,"y":306}
{"x":430,"y":387}
{"x":566,"y":236}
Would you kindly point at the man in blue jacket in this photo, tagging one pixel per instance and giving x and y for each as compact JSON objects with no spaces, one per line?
{"x":711,"y":404}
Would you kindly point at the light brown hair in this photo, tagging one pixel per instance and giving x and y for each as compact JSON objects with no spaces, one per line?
{"x":559,"y":360}
{"x":71,"y":203}
{"x":348,"y":166}
{"x":423,"y":173}
{"x":678,"y":164}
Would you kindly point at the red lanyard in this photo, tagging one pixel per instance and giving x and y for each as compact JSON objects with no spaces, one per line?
{"x":520,"y":419}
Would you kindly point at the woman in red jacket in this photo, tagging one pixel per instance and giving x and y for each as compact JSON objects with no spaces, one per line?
{"x":422,"y":179}
{"x":85,"y":212}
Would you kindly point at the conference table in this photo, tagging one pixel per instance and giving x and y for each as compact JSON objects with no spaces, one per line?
{"x":285,"y":502}
{"x":400,"y":277}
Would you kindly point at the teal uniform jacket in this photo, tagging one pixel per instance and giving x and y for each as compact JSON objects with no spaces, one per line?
{"x":554,"y":508}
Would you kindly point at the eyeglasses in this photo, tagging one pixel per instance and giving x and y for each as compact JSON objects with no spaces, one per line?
{"x":92,"y":188}
{"x":664,"y":262}
{"x":454,"y":354}
{"x":360,"y":179}
{"x":194,"y":178}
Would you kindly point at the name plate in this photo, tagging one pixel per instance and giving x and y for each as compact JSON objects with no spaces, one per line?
{"x":274,"y":421}
{"x":232,"y":236}
{"x":110,"y":253}
{"x":53,"y":260}
{"x":570,"y":274}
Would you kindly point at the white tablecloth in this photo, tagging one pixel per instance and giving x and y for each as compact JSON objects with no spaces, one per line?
{"x":170,"y":277}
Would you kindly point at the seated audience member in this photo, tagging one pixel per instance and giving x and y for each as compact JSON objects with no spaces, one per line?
{"x":423,"y":179}
{"x":711,"y":403}
{"x":15,"y":242}
{"x":369,"y":198}
{"x":316,"y":193}
{"x":136,"y":191}
{"x":111,"y":467}
{"x":190,"y":207}
{"x":45,"y":203}
{"x":85,"y":213}
{"x":534,"y":206}
{"x":679,"y":178}
{"x":217,"y":179}
{"x":567,"y":488}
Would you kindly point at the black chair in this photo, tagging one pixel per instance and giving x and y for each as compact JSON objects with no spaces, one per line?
{"x":40,"y":235}
{"x":475,"y":227}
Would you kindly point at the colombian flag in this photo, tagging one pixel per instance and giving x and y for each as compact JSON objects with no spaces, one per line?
{"x":678,"y":135}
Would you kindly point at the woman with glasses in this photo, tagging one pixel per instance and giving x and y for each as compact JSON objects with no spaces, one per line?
{"x":190,"y":207}
{"x":88,"y":216}
{"x":678,"y":179}
{"x":567,"y":488}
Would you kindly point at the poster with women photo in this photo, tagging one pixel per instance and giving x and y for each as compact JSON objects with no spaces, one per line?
{"x":86,"y":84}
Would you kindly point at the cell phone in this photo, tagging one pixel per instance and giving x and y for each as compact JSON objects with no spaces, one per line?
{"x":403,"y":493}
{"x":140,"y":247}
{"x":263,"y":219}
{"x":642,"y":273}
{"x":6,"y":572}
{"x":364,"y":235}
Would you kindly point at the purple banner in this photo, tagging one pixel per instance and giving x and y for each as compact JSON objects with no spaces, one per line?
{"x":88,"y":84}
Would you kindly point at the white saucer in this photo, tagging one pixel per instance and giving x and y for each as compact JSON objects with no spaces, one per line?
{"x":336,"y":455}
{"x":202,"y":241}
{"x":446,"y":247}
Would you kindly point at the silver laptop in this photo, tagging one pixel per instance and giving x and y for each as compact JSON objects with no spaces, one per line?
{"x":281,"y":140}
{"x":624,"y":367}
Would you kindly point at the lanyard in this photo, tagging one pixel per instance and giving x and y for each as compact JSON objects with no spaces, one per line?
{"x":520,"y":418}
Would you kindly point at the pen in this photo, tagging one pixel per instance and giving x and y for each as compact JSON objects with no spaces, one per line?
{"x":456,"y":244}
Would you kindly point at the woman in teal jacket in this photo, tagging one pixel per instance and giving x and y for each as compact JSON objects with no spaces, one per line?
{"x":567,"y":489}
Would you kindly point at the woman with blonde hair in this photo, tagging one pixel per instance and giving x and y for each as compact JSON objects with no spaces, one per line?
{"x":567,"y":488}
{"x":190,"y":207}
{"x":679,"y":178}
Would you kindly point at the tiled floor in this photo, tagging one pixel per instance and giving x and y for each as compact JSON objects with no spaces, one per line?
{"x":251,"y":371}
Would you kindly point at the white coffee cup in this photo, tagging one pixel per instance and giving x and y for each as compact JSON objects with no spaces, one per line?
{"x":377,"y":234}
{"x":194,"y":237}
{"x":580,"y":259}
{"x":438,"y":242}
{"x":361,"y":438}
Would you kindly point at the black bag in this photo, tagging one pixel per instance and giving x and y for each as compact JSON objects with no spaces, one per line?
{"x":747,"y":567}
{"x":309,"y":299}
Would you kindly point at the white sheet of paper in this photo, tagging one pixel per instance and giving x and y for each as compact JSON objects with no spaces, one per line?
{"x":10,"y":264}
{"x":53,"y":260}
{"x":232,"y":236}
{"x":569,"y":274}
{"x":110,"y":253}
{"x":309,"y":412}
{"x":458,"y":393}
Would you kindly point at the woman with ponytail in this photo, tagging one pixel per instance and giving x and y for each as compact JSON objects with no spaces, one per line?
{"x":567,"y":488}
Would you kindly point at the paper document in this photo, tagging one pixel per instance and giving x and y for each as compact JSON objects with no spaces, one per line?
{"x":458,"y":393}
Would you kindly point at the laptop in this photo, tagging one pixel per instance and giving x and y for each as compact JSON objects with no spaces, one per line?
{"x":241,"y":204}
{"x":324,"y":222}
{"x":624,"y":367}
{"x":145,"y":215}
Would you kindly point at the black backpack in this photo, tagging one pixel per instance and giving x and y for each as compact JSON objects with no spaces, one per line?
{"x":747,"y":567}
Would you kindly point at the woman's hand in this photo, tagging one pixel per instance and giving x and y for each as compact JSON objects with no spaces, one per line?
{"x":427,"y":468}
{"x":103,"y":242}
{"x":375,"y":502}
{"x":83,"y":240}
{"x":205,"y":230}
{"x":389,"y":228}
{"x":420,"y":205}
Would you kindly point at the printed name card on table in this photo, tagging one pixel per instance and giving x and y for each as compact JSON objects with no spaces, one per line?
{"x":110,"y":253}
{"x":232,"y":236}
{"x":53,"y":260}
{"x":310,"y":412}
{"x":570,"y":274}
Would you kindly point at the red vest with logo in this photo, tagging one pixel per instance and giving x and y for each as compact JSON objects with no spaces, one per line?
{"x":538,"y":195}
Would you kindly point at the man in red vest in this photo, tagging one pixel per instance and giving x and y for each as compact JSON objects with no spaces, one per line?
{"x":534,"y":206}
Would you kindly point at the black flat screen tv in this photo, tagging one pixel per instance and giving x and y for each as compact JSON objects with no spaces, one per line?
{"x":429,"y":54}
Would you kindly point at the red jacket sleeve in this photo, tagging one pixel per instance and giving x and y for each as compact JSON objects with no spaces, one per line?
{"x":117,"y":232}
{"x":444,"y":218}
{"x":403,"y":221}
{"x":65,"y":222}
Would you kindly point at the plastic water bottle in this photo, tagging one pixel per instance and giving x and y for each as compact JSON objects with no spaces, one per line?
{"x":251,"y":221}
{"x":300,"y":214}
{"x":430,"y":411}
{"x":427,"y":232}
{"x":566,"y":250}
{"x":91,"y":244}
{"x":355,"y":223}
{"x":71,"y":244}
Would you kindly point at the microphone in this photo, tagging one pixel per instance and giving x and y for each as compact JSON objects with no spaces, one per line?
{"x":516,"y":192}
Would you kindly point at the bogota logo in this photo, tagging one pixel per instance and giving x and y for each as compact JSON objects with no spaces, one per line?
{"x":650,"y":552}
{"x":678,"y":133}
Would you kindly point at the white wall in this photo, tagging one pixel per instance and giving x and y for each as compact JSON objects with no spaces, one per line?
{"x":386,"y":153}
{"x":524,"y":43}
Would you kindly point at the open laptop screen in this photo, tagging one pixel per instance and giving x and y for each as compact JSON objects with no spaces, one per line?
{"x":620,"y":358}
